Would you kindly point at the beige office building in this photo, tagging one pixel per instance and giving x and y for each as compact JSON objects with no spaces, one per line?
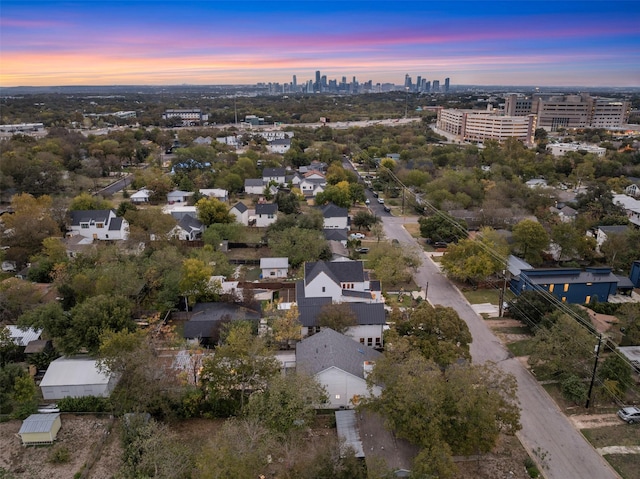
{"x":477,"y":126}
{"x":556,"y":111}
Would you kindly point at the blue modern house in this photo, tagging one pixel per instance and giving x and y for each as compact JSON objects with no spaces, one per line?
{"x":569,"y":285}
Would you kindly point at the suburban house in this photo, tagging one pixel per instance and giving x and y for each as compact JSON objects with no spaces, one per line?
{"x":633,"y":190}
{"x":335,"y":217}
{"x":178,"y":196}
{"x":569,"y":285}
{"x":188,"y":229}
{"x":140,"y":196}
{"x":312,"y":183}
{"x":342,"y":281}
{"x":274,"y":174}
{"x":207,"y":318}
{"x":22,"y":337}
{"x":218,"y":193}
{"x":339,"y":251}
{"x":241,"y":213}
{"x":280,"y":146}
{"x":602,"y":233}
{"x":179,"y":211}
{"x":340,"y":235}
{"x":566,"y":214}
{"x":254,"y":186}
{"x":266,"y":214}
{"x":98,"y":224}
{"x":338,"y":363}
{"x":631,"y":207}
{"x":77,"y":245}
{"x":40,"y":429}
{"x":76,"y":377}
{"x":274,"y":267}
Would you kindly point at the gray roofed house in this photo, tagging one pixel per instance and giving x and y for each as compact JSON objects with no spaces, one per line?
{"x":206,"y":319}
{"x":188,"y":228}
{"x":335,"y":217}
{"x":338,"y":234}
{"x":339,"y":363}
{"x":266,"y":214}
{"x":98,"y":224}
{"x":341,"y":272}
{"x":254,"y":186}
{"x":241,"y":213}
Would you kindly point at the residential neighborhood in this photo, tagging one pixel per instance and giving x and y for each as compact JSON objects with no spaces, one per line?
{"x":276,"y":278}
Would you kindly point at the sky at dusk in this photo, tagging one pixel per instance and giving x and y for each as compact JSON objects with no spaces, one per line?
{"x":91,"y":42}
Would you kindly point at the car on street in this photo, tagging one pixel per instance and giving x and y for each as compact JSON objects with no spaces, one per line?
{"x":367,"y":202}
{"x":630,"y":415}
{"x":439,"y":244}
{"x":362,"y":250}
{"x":356,"y":236}
{"x":387,"y":209}
{"x":381,"y":201}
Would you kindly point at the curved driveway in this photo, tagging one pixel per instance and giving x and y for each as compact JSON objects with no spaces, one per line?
{"x":550,"y":438}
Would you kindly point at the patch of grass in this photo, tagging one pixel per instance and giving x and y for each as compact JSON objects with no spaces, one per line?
{"x":622,"y":435}
{"x":627,"y":465}
{"x":513,"y":330}
{"x":482,"y":296}
{"x":521,"y":348}
{"x":413,"y":229}
{"x":252,"y":274}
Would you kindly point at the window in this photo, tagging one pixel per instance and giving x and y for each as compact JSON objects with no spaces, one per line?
{"x":84,"y":226}
{"x":324,"y":290}
{"x":272,"y":273}
{"x":566,"y":287}
{"x":551,"y":288}
{"x":99,"y":225}
{"x":378,"y":343}
{"x":337,"y":396}
{"x":564,"y":299}
{"x":369,"y":341}
{"x":587,"y":299}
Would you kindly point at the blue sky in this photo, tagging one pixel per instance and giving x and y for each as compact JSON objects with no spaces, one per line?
{"x":586,"y":43}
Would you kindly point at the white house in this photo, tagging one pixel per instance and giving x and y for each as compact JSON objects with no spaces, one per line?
{"x":218,"y":193}
{"x":338,"y":363}
{"x":98,"y":224}
{"x":22,"y":337}
{"x":335,"y":217}
{"x":241,"y":213}
{"x":274,"y":174}
{"x":274,"y":267}
{"x":633,"y":190}
{"x":188,"y":229}
{"x":280,"y":146}
{"x":266,"y":214}
{"x":76,"y":377}
{"x":602,"y":233}
{"x":342,"y":281}
{"x":254,"y":186}
{"x":631,"y":207}
{"x":178,"y":196}
{"x":140,"y":196}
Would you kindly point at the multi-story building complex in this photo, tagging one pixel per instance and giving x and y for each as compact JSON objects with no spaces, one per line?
{"x":559,"y":149}
{"x":569,"y":111}
{"x":477,"y":126}
{"x":190,"y":117}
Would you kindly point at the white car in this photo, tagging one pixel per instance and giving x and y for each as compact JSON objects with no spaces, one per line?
{"x":366,"y":202}
{"x":381,"y":201}
{"x":356,"y":236}
{"x":630,"y":415}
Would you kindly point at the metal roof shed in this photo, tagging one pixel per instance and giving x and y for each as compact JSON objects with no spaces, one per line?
{"x":76,"y":377}
{"x":40,"y":429}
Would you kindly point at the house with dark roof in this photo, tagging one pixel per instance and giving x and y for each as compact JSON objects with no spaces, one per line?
{"x":340,"y":364}
{"x":98,"y":224}
{"x":274,"y":174}
{"x":603,"y":233}
{"x":337,"y":234}
{"x":569,"y":285}
{"x":188,"y":229}
{"x":241,"y":213}
{"x":207,"y":318}
{"x":254,"y":186}
{"x":341,"y":281}
{"x":335,"y":217}
{"x":266,"y":214}
{"x":279,"y":145}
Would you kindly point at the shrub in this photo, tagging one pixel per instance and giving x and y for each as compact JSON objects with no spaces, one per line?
{"x":531,"y":468}
{"x":85,"y":404}
{"x":573,"y":389}
{"x":60,"y":455}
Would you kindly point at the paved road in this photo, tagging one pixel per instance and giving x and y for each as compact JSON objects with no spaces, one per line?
{"x":563,"y":453}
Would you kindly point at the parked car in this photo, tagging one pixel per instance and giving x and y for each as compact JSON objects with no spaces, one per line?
{"x":439,"y":244}
{"x":362,"y":250}
{"x":630,"y":415}
{"x":381,"y":201}
{"x":375,"y":195}
{"x":356,"y":236}
{"x":387,"y":209}
{"x":367,"y":202}
{"x":48,"y":408}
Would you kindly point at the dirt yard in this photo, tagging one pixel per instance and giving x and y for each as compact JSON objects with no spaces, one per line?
{"x":80,"y":436}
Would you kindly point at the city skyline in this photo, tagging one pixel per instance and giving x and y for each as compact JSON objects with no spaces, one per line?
{"x":51,"y":43}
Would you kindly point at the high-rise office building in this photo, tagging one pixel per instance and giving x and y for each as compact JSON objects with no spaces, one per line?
{"x":446,"y":84}
{"x":427,"y":86}
{"x":436,"y":86}
{"x":317,"y":84}
{"x":295,"y":82}
{"x":418,"y":83}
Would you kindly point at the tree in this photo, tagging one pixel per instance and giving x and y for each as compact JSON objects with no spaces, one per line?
{"x":617,"y":372}
{"x":377,"y":230}
{"x":339,"y":317}
{"x":364,"y":219}
{"x":288,"y":202}
{"x":620,"y":250}
{"x":287,"y":327}
{"x":438,"y":333}
{"x":212,"y":210}
{"x":629,"y":314}
{"x":85,"y":201}
{"x":288,"y":402}
{"x":530,"y":240}
{"x":530,"y":308}
{"x":568,"y":239}
{"x":30,"y":223}
{"x":475,"y":260}
{"x":391,"y":263}
{"x":563,"y":349}
{"x":8,"y":347}
{"x":194,"y":279}
{"x":242,"y":366}
{"x":298,"y":244}
{"x":339,"y":194}
{"x":442,"y":227}
{"x":460,"y":410}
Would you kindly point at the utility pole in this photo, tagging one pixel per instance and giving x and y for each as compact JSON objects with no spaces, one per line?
{"x":503,"y":290}
{"x":595,"y":367}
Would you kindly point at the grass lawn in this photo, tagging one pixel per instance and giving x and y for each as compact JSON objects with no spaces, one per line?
{"x":513,"y":330}
{"x":521,"y":348}
{"x":622,"y":435}
{"x":482,"y":296}
{"x":413,"y":229}
{"x":627,"y":465}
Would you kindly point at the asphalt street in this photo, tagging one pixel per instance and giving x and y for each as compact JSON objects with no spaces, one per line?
{"x":550,"y":438}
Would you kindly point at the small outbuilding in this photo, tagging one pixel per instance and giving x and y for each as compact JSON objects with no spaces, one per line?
{"x":40,"y":429}
{"x":76,"y":377}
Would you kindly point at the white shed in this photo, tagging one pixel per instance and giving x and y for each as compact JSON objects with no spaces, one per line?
{"x":76,"y":377}
{"x":274,"y":267}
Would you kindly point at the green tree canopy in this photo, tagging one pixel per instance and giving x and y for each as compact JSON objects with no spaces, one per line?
{"x":337,"y":316}
{"x":442,"y":227}
{"x":530,"y":239}
{"x":298,"y":244}
{"x":86,"y":201}
{"x":212,"y":210}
